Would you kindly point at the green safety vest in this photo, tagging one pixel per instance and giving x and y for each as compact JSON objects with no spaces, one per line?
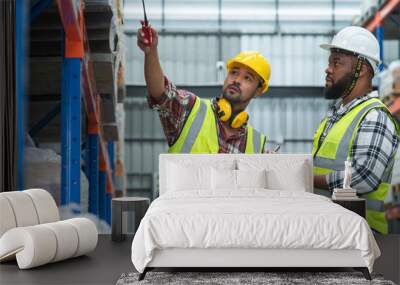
{"x":331,"y":154}
{"x":199,"y":134}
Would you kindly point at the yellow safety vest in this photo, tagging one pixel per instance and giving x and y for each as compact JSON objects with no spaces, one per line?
{"x":199,"y":134}
{"x":330,"y":154}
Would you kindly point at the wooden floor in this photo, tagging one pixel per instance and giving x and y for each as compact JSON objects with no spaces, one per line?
{"x":111,"y":259}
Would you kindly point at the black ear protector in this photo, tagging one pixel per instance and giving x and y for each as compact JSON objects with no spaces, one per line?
{"x":224,"y":111}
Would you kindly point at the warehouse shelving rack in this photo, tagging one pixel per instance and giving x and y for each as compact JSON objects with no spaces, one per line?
{"x":385,"y":21}
{"x":78,"y":85}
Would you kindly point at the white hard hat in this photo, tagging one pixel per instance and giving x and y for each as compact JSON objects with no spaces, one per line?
{"x":358,"y":40}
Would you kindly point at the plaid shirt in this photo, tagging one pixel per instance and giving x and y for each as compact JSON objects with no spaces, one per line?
{"x":374,"y":147}
{"x":174,"y":108}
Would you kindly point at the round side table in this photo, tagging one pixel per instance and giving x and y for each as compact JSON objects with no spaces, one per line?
{"x":139,"y":205}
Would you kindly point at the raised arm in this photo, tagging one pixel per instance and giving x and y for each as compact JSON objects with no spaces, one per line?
{"x":153,"y":73}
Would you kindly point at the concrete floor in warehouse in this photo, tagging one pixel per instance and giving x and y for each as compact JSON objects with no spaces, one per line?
{"x":110,"y":259}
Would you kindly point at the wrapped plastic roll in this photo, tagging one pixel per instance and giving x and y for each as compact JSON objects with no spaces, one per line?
{"x":33,"y":246}
{"x":23,"y":207}
{"x":87,"y":234}
{"x":67,"y":240}
{"x":7,"y":217}
{"x":45,"y":205}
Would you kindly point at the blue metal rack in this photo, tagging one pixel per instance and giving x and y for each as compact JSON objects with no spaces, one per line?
{"x":102,"y":196}
{"x":111,"y":155}
{"x":376,"y":23}
{"x":45,"y":120}
{"x":38,"y":8}
{"x":71,"y":131}
{"x":79,"y":67}
{"x":379,"y":36}
{"x":22,"y":19}
{"x":92,"y":172}
{"x":384,"y":11}
{"x":77,"y":76}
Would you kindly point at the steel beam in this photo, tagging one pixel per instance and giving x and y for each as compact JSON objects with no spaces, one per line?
{"x":39,"y":7}
{"x":71,"y":131}
{"x":380,"y":37}
{"x":21,"y":47}
{"x":102,"y":194}
{"x":92,"y":172}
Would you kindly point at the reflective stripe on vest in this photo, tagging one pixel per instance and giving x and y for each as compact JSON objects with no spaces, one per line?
{"x":199,"y":133}
{"x":330,"y":155}
{"x":342,"y":152}
{"x":195,"y":128}
{"x":256,"y":141}
{"x":375,"y":205}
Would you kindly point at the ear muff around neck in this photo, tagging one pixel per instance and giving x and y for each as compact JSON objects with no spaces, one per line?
{"x":224,"y":111}
{"x":239,"y":120}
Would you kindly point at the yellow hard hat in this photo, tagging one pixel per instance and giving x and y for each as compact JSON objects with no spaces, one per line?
{"x":256,"y":62}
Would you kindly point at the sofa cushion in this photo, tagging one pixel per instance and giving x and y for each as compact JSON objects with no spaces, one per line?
{"x":45,"y":205}
{"x":33,"y":246}
{"x":22,"y":207}
{"x":7,"y":220}
{"x":40,"y":244}
{"x":87,"y":234}
{"x":67,"y":240}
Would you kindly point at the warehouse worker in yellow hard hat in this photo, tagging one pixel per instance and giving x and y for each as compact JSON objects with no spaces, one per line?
{"x":195,"y":125}
{"x":358,"y":128}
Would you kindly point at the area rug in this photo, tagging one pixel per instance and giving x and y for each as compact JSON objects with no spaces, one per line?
{"x":269,"y":278}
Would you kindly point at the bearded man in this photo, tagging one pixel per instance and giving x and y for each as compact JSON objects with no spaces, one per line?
{"x":358,"y":128}
{"x":195,"y":125}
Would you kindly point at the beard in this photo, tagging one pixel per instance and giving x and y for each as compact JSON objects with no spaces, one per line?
{"x":233,"y":98}
{"x":337,"y":89}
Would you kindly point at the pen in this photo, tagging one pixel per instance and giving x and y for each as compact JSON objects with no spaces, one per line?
{"x":277,"y":148}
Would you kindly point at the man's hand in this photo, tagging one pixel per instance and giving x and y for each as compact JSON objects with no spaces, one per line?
{"x":320,"y":182}
{"x":393,"y":212}
{"x":153,"y":73}
{"x":143,"y":43}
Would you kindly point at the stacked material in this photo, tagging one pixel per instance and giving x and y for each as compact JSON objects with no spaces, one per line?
{"x":42,"y":169}
{"x":46,"y":43}
{"x":104,"y":20}
{"x":344,"y":194}
{"x":368,"y":9}
{"x":120,"y":175}
{"x":389,"y":91}
{"x":389,"y":88}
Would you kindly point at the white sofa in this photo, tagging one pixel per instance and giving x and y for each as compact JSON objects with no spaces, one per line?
{"x":31,"y":233}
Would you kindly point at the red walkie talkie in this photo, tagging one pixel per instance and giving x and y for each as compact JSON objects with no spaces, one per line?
{"x":146,"y":28}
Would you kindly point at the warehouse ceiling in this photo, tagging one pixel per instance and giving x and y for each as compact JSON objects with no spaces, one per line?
{"x":234,"y":16}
